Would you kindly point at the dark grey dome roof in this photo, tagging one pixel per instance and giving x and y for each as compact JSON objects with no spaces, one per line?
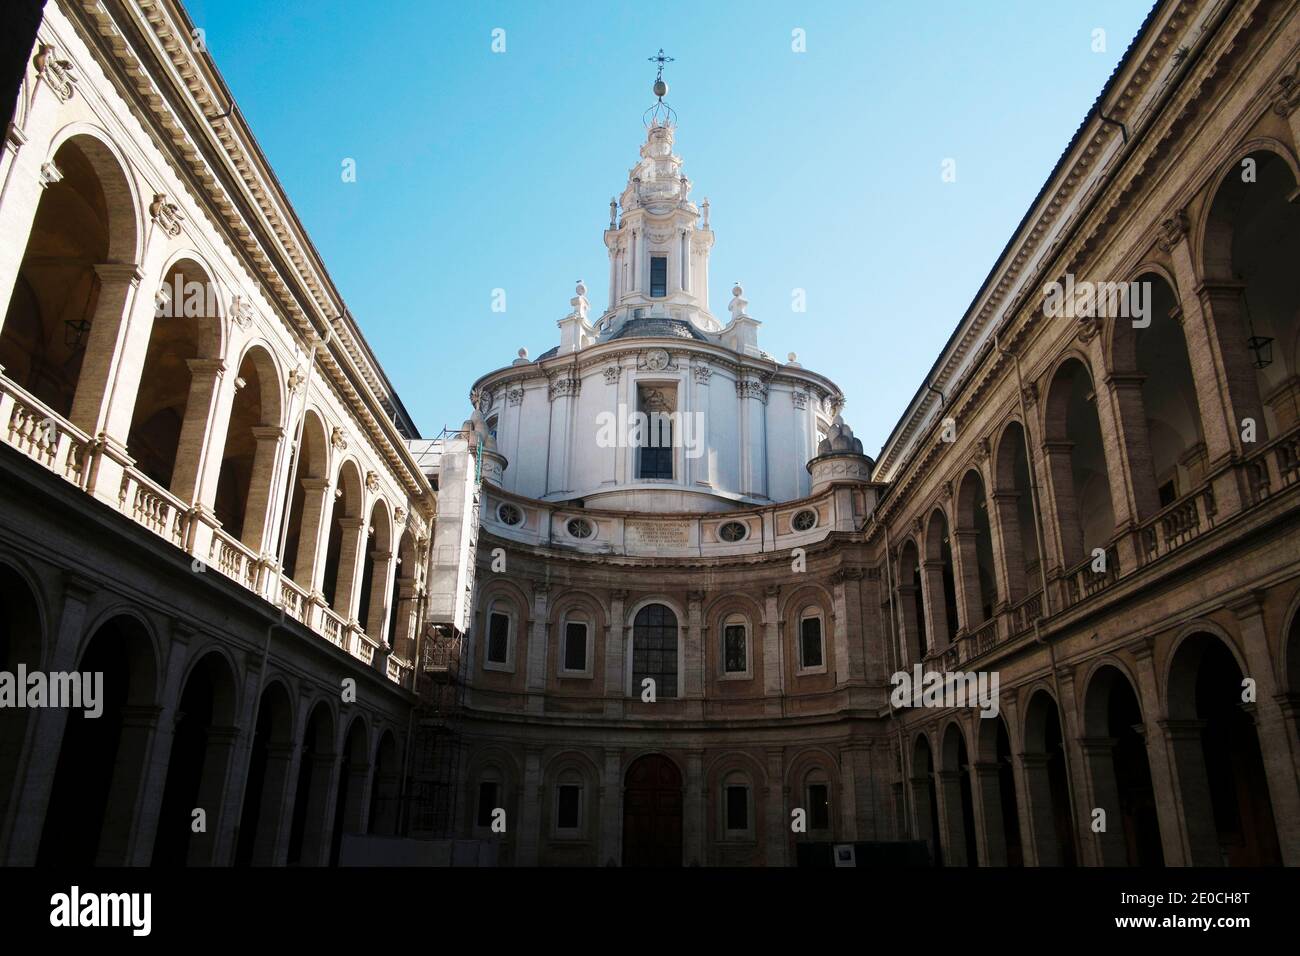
{"x":658,"y":328}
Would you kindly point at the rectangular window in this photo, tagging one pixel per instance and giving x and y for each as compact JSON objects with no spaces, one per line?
{"x":734,"y":649}
{"x":658,"y":277}
{"x":737,"y":808}
{"x":487,"y":802}
{"x":567,"y":805}
{"x":810,"y":645}
{"x":819,"y":807}
{"x":498,"y":638}
{"x":575,"y":646}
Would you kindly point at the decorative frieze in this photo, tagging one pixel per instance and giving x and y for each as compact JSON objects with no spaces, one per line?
{"x":800,"y":399}
{"x":514,"y":395}
{"x":656,"y":360}
{"x":612,"y":374}
{"x":338,"y":439}
{"x":702,"y":374}
{"x":1287,"y":97}
{"x":372,"y":481}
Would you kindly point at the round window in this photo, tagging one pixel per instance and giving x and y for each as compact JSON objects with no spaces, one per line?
{"x":733,"y":531}
{"x":804,"y":520}
{"x":580,"y":528}
{"x":509,"y":514}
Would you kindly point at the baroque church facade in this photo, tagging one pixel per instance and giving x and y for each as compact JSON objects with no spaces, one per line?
{"x":648,"y":606}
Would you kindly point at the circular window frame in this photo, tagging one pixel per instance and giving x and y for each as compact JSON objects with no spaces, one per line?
{"x":506,"y":508}
{"x":581,"y":523}
{"x":794,"y":519}
{"x":722,"y":532}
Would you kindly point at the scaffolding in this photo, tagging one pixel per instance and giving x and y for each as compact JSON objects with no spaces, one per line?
{"x":434,"y":781}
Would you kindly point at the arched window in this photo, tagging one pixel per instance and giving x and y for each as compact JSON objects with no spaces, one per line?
{"x":570,"y":806}
{"x":575,"y":651}
{"x":736,"y":808}
{"x":499,"y":646}
{"x":735,"y":646}
{"x":812,"y":645}
{"x":654,"y":650}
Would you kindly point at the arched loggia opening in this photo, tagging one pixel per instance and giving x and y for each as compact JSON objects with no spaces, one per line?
{"x":203,"y":740}
{"x":372,"y":609}
{"x":1115,"y":752}
{"x":94,"y":801}
{"x":1076,"y":462}
{"x":958,"y":801}
{"x":248,"y":462}
{"x":179,"y":381}
{"x":84,"y":222}
{"x":1220,"y":771}
{"x":309,"y":833}
{"x":996,"y":784}
{"x":1252,"y":242}
{"x":979,"y":591}
{"x":1047,"y":786}
{"x":21,"y":639}
{"x":401,"y":601}
{"x":940,"y":585}
{"x":1155,"y":394}
{"x":925,"y":799}
{"x":269,"y":763}
{"x":911,"y":604}
{"x":306,"y":509}
{"x":1013,"y":504}
{"x":345,"y":542}
{"x":350,"y":802}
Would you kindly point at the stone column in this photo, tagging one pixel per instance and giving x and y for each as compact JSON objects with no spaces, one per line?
{"x":1192,"y":783}
{"x":271,"y":842}
{"x":1038,"y":811}
{"x":611,"y":814}
{"x":936,"y":610}
{"x":847,"y":799}
{"x":218,"y":764}
{"x":319,"y":828}
{"x":24,"y":185}
{"x":348,"y":592}
{"x":778,"y":820}
{"x":909,"y":624}
{"x":25,"y":819}
{"x":966,"y":577}
{"x":381,"y":590}
{"x":530,"y":805}
{"x":922,"y":814}
{"x":104,"y":402}
{"x":537,"y":648}
{"x":259,"y":526}
{"x":1008,"y":546}
{"x":198,"y":441}
{"x":987,"y":790}
{"x":1276,"y":733}
{"x":1108,"y":848}
{"x":1132,"y":446}
{"x":135,"y":795}
{"x":694,"y":809}
{"x":694,"y":663}
{"x":403,"y":642}
{"x":950,"y":818}
{"x":232,"y":799}
{"x":773,"y":656}
{"x":615,"y":681}
{"x":1065,"y":502}
{"x":1162,"y":779}
{"x":309,"y":565}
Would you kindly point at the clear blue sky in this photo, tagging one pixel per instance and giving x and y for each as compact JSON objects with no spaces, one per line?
{"x":478,"y":170}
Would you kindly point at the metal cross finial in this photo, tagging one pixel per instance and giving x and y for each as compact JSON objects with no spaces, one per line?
{"x":661,"y":59}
